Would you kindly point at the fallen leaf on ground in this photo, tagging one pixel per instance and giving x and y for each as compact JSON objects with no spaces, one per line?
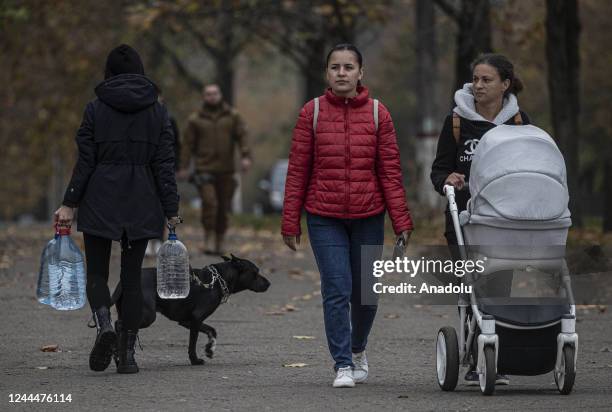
{"x":307,"y":296}
{"x":295,"y":271}
{"x":42,"y":367}
{"x":303,"y":337}
{"x":391,"y":316}
{"x":295,"y":365}
{"x":50,"y":348}
{"x":289,"y":308}
{"x":274,"y":313}
{"x":600,"y":308}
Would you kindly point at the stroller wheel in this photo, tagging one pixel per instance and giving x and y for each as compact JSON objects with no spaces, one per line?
{"x":488,"y":375}
{"x":447,"y":358}
{"x":566,"y":376}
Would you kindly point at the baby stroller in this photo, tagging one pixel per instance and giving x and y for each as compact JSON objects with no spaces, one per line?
{"x":516,"y":221}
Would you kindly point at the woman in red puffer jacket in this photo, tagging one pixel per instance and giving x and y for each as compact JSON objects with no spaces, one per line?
{"x":346,"y":173}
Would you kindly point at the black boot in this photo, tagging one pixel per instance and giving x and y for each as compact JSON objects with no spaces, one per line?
{"x":106,"y":338}
{"x":116,"y":351}
{"x":127,"y":341}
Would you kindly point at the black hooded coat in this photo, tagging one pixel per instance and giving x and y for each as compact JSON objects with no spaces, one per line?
{"x":123,"y":182}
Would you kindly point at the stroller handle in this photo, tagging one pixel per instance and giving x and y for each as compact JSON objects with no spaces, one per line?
{"x":449,"y":191}
{"x":466,"y":186}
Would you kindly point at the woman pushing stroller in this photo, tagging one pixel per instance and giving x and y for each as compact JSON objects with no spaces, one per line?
{"x":488,"y":101}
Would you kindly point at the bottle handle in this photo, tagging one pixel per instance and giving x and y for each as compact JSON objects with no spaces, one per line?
{"x":171,"y":226}
{"x":62,"y":230}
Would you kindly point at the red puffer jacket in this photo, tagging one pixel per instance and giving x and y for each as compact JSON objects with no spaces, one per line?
{"x":346,"y":171}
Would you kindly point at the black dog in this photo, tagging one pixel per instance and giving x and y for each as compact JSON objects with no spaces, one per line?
{"x":209,"y":287}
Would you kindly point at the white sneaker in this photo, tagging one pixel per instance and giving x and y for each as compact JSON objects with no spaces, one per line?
{"x":344,"y":378}
{"x":360,"y":373}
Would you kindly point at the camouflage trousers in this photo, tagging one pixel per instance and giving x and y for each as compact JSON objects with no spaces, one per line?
{"x":216,"y":192}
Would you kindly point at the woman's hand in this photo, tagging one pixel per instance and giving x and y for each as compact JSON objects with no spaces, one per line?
{"x":174,"y":221}
{"x":245,"y":164}
{"x":291,"y":241}
{"x":182,"y":174}
{"x":63,"y":216}
{"x":455,"y":179}
{"x":406,"y":235}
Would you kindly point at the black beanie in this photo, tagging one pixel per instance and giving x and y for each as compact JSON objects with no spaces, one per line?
{"x":123,"y":59}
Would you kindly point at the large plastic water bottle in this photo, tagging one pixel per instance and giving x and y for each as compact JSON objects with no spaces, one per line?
{"x":66,"y":269}
{"x":42,"y":288}
{"x":172,"y":268}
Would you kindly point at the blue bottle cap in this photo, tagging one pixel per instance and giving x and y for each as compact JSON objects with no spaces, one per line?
{"x":172,"y":236}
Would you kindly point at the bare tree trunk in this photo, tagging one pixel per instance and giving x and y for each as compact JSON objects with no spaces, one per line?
{"x":224,"y":60}
{"x":562,"y":35}
{"x":225,"y":76}
{"x":473,"y":19}
{"x":55,"y":193}
{"x":474,"y":37}
{"x":426,"y":64}
{"x":607,"y":206}
{"x":426,"y":90}
{"x":314,"y":83}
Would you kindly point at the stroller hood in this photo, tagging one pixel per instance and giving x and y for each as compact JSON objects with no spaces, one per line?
{"x":518,"y":175}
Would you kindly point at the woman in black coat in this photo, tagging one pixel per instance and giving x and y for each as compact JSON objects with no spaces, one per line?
{"x":489,"y":101}
{"x":123,"y":185}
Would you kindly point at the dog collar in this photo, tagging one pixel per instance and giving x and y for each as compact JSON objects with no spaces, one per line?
{"x":215,"y":278}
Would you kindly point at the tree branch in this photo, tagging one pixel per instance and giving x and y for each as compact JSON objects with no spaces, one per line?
{"x":448,"y":9}
{"x":181,"y":69}
{"x":214,"y":52}
{"x":285,"y":46}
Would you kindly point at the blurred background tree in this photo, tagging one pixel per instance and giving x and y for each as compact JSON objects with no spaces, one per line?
{"x":268,"y":56}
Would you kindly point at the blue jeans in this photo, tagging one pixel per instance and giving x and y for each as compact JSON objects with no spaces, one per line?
{"x":336,"y":244}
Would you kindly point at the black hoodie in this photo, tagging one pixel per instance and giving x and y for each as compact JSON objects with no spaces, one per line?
{"x":127,"y":93}
{"x":452,"y":156}
{"x":123,"y":181}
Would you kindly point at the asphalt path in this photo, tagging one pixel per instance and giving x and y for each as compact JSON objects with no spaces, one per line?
{"x":271,"y":351}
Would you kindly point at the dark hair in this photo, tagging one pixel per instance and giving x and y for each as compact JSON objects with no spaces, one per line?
{"x":345,"y":46}
{"x":504,"y":68}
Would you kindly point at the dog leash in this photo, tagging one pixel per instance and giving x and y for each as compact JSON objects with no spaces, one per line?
{"x":216,"y":277}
